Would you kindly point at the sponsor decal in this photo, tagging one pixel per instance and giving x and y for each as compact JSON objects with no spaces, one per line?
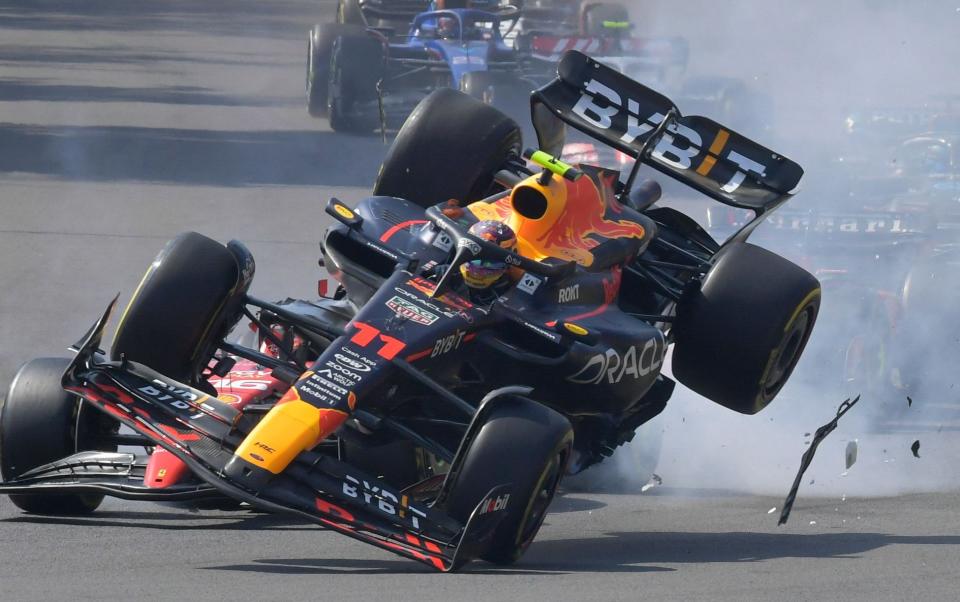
{"x":366,"y":360}
{"x":425,"y":303}
{"x":472,"y":246}
{"x":569,"y":293}
{"x":512,"y":260}
{"x":382,"y":250}
{"x":610,"y":367}
{"x":443,"y":242}
{"x":833,"y":223}
{"x":172,"y":396}
{"x":367,"y":334}
{"x":542,"y":331}
{"x":679,"y":144}
{"x":239,"y":383}
{"x":351,"y":363}
{"x":468,"y":59}
{"x":494,"y":504}
{"x":575,"y":329}
{"x":529,"y":283}
{"x":265,"y":447}
{"x":408,"y":311}
{"x":447,"y":343}
{"x":344,"y":211}
{"x":426,"y":287}
{"x":343,"y":370}
{"x":382,"y":499}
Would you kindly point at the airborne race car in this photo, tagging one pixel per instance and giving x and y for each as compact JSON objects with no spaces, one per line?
{"x":409,"y":412}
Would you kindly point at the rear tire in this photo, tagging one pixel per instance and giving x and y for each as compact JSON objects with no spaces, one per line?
{"x":741,"y":334}
{"x":449,"y":148}
{"x":524,"y":443}
{"x":41,"y":423}
{"x":356,"y":66}
{"x":176,"y":316}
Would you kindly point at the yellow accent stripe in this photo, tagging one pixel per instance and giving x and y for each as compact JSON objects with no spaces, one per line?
{"x":706,"y":166}
{"x":719,"y":142}
{"x":814,"y":293}
{"x":136,"y":293}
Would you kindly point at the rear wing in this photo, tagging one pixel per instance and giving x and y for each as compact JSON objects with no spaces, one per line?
{"x":646,"y":125}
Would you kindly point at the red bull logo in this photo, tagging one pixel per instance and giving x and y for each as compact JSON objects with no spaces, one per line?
{"x":571,"y":218}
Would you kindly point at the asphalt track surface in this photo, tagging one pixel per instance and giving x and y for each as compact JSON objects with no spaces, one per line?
{"x":122,"y":124}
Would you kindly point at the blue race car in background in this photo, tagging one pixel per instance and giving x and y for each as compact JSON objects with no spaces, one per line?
{"x":361,"y":80}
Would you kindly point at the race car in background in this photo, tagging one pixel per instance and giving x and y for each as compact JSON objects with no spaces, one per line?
{"x":361,"y":80}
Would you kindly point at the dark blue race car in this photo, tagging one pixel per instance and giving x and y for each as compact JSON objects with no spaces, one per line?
{"x":361,"y":79}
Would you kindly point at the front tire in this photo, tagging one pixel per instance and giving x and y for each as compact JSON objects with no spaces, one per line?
{"x":520,"y":442}
{"x":41,"y":423}
{"x":179,"y":311}
{"x":450,"y":147}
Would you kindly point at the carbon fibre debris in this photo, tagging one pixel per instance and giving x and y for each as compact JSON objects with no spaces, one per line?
{"x":807,"y":457}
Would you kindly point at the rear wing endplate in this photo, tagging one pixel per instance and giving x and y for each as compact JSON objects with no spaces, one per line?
{"x":628,"y":116}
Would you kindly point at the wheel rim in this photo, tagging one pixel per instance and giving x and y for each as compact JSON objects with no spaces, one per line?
{"x":543,"y":494}
{"x":789,"y":354}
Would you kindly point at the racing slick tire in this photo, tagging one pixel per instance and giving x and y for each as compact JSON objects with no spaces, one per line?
{"x":523,"y":443}
{"x":41,"y":423}
{"x":449,"y":148}
{"x":350,"y":13}
{"x":356,"y":66}
{"x":740,"y":335}
{"x":319,"y":48}
{"x":179,"y":312}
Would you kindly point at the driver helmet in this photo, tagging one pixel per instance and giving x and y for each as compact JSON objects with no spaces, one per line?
{"x":447,"y":27}
{"x":484,"y":273}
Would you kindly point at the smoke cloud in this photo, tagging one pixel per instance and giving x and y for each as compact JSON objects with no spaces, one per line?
{"x":821,"y":62}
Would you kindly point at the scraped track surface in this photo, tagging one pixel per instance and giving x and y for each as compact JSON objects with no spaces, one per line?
{"x":124,"y":123}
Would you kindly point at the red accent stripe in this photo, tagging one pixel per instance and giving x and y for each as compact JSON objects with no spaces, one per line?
{"x":419,"y":355}
{"x":589,"y":314}
{"x":401,"y":226}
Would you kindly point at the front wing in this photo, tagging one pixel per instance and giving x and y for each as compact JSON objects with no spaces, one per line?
{"x":203,"y":432}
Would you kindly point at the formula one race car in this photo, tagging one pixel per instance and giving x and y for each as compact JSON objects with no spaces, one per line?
{"x":361,"y":80}
{"x":477,"y":348}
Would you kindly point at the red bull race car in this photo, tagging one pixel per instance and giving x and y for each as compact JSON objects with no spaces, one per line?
{"x":498,"y":323}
